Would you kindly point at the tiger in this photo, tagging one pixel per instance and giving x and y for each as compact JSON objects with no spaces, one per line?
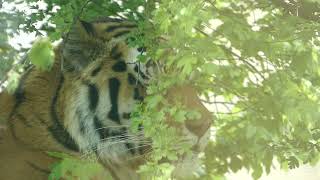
{"x":84,"y":103}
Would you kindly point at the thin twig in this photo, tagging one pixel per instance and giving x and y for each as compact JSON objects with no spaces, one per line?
{"x":217,"y":102}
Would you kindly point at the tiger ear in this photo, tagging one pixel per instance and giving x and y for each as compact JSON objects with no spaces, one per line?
{"x":87,"y":30}
{"x":78,"y":46}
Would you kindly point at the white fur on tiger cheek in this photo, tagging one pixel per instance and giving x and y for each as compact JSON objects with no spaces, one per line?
{"x":88,"y":139}
{"x":79,"y":108}
{"x":132,"y":56}
{"x":113,"y":151}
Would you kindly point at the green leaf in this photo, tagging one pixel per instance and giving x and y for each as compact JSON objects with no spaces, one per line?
{"x":251,"y":131}
{"x":70,"y":167}
{"x":301,"y":61}
{"x":153,"y":101}
{"x":235,"y":164}
{"x":41,"y":54}
{"x":58,"y":155}
{"x":180,"y":116}
{"x":210,"y":68}
{"x":257,"y":171}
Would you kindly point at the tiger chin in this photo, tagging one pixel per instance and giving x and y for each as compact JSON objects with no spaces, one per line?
{"x":83,"y":105}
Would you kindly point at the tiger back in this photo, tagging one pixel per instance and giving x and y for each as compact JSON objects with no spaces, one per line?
{"x":26,"y":137}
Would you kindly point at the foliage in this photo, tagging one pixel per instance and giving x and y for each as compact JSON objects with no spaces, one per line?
{"x":74,"y":168}
{"x":41,"y":54}
{"x":9,"y":26}
{"x":255,"y":64}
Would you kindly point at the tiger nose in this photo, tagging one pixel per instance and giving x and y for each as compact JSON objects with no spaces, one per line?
{"x":198,"y":127}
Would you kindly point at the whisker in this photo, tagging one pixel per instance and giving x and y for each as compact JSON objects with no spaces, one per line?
{"x":128,"y":138}
{"x":144,"y":155}
{"x":122,"y":136}
{"x":143,"y":145}
{"x":136,"y":147}
{"x":125,"y":141}
{"x":139,"y":140}
{"x":105,"y":127}
{"x":125,"y":137}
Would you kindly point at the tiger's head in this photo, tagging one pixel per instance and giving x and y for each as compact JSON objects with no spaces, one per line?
{"x":88,"y":41}
{"x":106,"y":80}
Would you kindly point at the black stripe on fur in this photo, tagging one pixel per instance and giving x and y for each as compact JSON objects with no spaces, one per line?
{"x":93,"y":94}
{"x":88,"y":27}
{"x":131,"y":79}
{"x":115,"y":53}
{"x":96,"y":71}
{"x":112,"y":28}
{"x":119,"y":66}
{"x":57,"y":130}
{"x":114,"y":87}
{"x":99,"y":128}
{"x":121,"y":33}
